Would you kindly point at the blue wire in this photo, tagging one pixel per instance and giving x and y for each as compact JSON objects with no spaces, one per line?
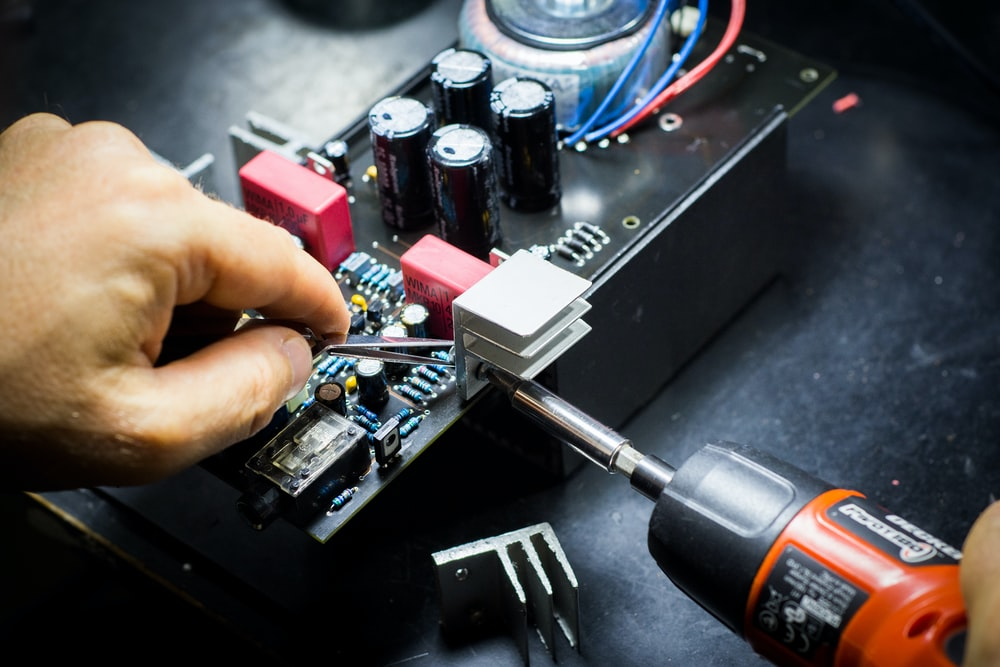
{"x":661,"y":12}
{"x":661,"y":83}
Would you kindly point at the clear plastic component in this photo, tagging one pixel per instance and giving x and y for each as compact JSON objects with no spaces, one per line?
{"x":306,"y":448}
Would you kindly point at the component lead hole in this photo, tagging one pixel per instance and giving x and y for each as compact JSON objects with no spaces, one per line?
{"x":631,"y":222}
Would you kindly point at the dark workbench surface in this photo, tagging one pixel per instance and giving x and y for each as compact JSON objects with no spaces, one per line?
{"x":873,"y":361}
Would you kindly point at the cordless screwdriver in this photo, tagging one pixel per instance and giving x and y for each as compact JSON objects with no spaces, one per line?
{"x":807,"y":573}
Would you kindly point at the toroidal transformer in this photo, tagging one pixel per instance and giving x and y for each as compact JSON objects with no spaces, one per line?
{"x":577,"y":47}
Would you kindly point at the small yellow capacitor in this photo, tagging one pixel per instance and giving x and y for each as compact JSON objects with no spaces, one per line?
{"x":351,"y":384}
{"x":360,"y":302}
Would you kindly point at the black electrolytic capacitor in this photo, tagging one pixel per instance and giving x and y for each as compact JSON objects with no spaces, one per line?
{"x":373,"y":385}
{"x":414,"y":317}
{"x":395,"y":369}
{"x":464,"y":184}
{"x":524,"y":128}
{"x":333,"y":395}
{"x":336,"y":152}
{"x":461,"y":82}
{"x":400,"y":128}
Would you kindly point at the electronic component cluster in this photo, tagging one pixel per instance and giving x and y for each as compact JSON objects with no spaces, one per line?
{"x":356,"y":422}
{"x":505,"y":143}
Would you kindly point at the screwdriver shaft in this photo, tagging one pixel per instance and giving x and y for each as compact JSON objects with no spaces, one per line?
{"x":589,"y":437}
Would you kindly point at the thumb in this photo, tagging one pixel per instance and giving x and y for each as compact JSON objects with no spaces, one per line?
{"x":980,"y":579}
{"x":229,"y":390}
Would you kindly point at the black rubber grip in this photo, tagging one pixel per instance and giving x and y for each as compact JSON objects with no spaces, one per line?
{"x":718,"y":517}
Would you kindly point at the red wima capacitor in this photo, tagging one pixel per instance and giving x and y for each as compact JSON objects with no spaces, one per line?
{"x":311,"y":207}
{"x":435,"y":273}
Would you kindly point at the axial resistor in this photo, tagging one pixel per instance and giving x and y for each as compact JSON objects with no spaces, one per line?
{"x":577,"y":247}
{"x":440,"y":370}
{"x":341,"y":498}
{"x":373,"y":276}
{"x":402,"y":414}
{"x":423,"y":386}
{"x":441,"y":354}
{"x":410,"y":425}
{"x":593,"y":229}
{"x":568,"y":253}
{"x":381,"y":275}
{"x":592,"y":241}
{"x":367,"y":423}
{"x":372,"y":270}
{"x":410,"y":393}
{"x":326,"y":365}
{"x":337,"y":366}
{"x":427,"y":374}
{"x":362,"y":410}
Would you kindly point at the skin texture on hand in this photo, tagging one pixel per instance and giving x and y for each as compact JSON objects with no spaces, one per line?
{"x":980,"y":578}
{"x":101,"y":244}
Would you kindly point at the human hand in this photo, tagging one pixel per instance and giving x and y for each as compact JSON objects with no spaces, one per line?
{"x":980,"y":578}
{"x":100,"y":244}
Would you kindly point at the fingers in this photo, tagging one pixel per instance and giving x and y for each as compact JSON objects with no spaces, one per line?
{"x":238,"y":262}
{"x":226,"y":392}
{"x":980,"y":579}
{"x":33,"y":123}
{"x":215,"y":252}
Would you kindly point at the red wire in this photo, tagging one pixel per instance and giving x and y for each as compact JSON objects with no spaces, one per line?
{"x":739,"y":8}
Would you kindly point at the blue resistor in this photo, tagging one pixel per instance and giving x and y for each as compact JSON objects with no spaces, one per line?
{"x":410,"y":392}
{"x":427,"y":374}
{"x":362,"y":410}
{"x":337,"y":366}
{"x":380,"y":275}
{"x":402,"y":414}
{"x":409,"y":426}
{"x":325,"y":364}
{"x":370,"y":425}
{"x":440,"y":354}
{"x":421,"y":385}
{"x":341,"y":499}
{"x":309,"y":401}
{"x":367,"y":275}
{"x":443,"y":370}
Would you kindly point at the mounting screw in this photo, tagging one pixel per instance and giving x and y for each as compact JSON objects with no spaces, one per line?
{"x":461,"y":574}
{"x":669,"y":122}
{"x":809,"y":75}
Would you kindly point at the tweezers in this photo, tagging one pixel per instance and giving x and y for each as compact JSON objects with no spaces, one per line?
{"x":360,"y":346}
{"x":385,"y":348}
